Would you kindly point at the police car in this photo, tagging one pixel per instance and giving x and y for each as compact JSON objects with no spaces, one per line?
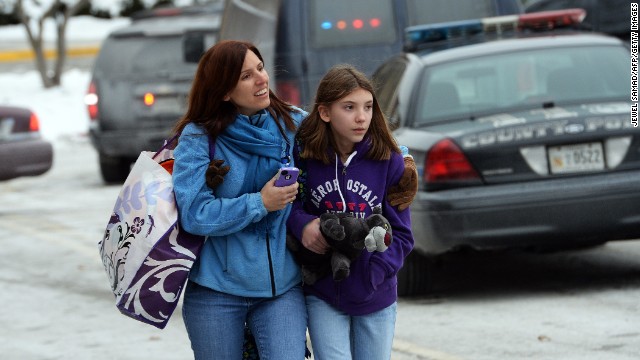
{"x":522,"y":130}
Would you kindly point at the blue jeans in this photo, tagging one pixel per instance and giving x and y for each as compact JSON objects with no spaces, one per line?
{"x":215,"y":323}
{"x":338,"y":336}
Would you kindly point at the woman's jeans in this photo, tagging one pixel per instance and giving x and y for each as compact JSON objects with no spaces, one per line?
{"x":215,"y":323}
{"x":338,"y":336}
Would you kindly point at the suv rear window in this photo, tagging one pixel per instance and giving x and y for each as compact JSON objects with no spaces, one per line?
{"x":143,"y":56}
{"x":356,"y":22}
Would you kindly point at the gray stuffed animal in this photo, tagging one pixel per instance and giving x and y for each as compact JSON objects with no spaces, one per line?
{"x":347,"y":236}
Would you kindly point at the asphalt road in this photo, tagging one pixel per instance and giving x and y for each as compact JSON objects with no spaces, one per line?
{"x":57,"y":304}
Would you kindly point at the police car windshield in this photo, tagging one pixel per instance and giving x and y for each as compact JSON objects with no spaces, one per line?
{"x":519,"y":80}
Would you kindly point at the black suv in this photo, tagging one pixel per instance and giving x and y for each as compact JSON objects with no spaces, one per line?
{"x":141,"y":80}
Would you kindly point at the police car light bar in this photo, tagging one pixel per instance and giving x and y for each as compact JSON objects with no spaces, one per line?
{"x":496,"y":26}
{"x":552,"y":19}
{"x":443,"y":31}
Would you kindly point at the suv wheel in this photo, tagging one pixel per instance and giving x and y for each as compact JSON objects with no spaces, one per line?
{"x":114,"y":169}
{"x":416,"y":276}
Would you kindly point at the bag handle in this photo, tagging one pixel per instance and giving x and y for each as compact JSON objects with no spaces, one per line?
{"x":165,"y":145}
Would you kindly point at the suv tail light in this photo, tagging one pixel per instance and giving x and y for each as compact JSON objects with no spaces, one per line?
{"x":289,"y":92}
{"x":446,"y":165}
{"x":149,"y":99}
{"x":91,"y":100}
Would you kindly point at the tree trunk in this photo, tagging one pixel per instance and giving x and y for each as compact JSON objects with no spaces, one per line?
{"x":61,"y":42}
{"x":41,"y":60}
{"x":60,"y":13}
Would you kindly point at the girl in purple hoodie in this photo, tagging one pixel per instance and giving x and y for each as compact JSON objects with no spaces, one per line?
{"x":348,"y":160}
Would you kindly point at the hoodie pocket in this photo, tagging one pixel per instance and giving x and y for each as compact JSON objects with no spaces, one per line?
{"x":357,"y":286}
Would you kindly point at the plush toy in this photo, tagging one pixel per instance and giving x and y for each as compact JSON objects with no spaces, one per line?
{"x":347,"y":236}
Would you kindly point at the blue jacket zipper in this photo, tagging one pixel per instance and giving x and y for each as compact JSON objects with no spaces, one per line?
{"x":273,"y":282}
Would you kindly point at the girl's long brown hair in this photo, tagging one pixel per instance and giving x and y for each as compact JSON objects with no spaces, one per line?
{"x":217,"y":74}
{"x":315,"y":135}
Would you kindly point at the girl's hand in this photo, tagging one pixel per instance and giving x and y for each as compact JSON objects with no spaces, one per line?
{"x":215,"y":173}
{"x":277,"y":198}
{"x":312,"y":238}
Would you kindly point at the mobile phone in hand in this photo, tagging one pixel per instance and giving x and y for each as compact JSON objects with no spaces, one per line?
{"x":287,"y":176}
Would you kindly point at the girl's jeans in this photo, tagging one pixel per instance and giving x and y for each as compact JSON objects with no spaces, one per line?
{"x":215,"y":323}
{"x":338,"y":336}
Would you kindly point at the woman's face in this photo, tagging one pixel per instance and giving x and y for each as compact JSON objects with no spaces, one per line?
{"x":349,"y":118}
{"x":251,"y":93}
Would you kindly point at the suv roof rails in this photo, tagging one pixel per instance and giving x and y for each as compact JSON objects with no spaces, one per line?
{"x":457,"y":33}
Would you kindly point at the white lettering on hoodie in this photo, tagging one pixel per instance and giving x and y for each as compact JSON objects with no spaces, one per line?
{"x":321,"y":191}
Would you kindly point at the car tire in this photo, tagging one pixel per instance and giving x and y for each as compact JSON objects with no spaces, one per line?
{"x":416,"y":276}
{"x":114,"y":169}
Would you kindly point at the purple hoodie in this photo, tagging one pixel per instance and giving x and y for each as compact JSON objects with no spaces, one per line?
{"x":362,"y":184}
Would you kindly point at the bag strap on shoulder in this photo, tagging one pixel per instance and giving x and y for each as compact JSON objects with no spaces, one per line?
{"x":168,"y":143}
{"x":212,"y":147}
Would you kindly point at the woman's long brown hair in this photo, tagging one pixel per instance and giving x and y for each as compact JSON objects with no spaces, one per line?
{"x":217,"y":74}
{"x":316,"y":136}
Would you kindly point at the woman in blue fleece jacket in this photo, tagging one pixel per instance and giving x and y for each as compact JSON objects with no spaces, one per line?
{"x":349,"y":160}
{"x":244,"y":273}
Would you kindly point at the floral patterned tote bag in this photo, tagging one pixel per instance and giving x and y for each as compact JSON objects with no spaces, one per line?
{"x":146,"y":256}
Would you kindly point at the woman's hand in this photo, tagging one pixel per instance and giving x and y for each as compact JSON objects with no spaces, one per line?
{"x":402,"y":195}
{"x":277,"y":198}
{"x":312,"y":238}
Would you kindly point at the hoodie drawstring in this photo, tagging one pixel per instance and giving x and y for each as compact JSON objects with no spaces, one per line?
{"x":344,"y":205}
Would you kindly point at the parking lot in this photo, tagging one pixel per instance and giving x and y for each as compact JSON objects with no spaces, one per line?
{"x":496,"y":305}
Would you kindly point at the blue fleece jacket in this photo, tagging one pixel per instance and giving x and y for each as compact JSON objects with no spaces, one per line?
{"x":356,"y":188}
{"x":245,"y":252}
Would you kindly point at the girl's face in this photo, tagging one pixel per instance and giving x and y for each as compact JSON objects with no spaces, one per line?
{"x":251,"y":93}
{"x":349,"y":118}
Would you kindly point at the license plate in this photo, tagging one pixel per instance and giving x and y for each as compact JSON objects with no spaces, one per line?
{"x":167,"y":105}
{"x":6,"y":127}
{"x":576,"y":158}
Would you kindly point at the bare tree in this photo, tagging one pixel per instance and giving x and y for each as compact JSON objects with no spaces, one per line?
{"x":34,"y":20}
